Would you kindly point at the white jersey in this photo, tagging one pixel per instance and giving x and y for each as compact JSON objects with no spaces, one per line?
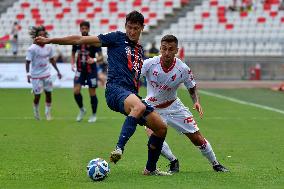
{"x":39,"y":57}
{"x":162,"y":84}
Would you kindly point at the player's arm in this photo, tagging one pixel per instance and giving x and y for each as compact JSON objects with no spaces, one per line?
{"x":73,"y":56}
{"x":195,"y":98}
{"x":70,"y":40}
{"x":28,"y":70}
{"x":53,"y":63}
{"x":100,"y":57}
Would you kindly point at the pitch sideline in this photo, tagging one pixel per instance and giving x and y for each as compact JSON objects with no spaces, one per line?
{"x":241,"y":101}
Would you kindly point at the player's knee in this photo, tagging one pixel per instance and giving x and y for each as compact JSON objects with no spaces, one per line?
{"x":162,"y":131}
{"x":139,"y":109}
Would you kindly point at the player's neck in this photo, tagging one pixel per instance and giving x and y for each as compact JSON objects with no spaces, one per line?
{"x":167,"y":64}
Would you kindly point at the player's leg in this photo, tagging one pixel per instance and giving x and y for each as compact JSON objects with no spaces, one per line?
{"x":206,"y":150}
{"x":36,"y":106}
{"x":155,"y":143}
{"x":47,"y":85}
{"x":168,"y":154}
{"x":78,"y":98}
{"x":92,"y":82}
{"x":48,"y":99}
{"x":37,"y":90}
{"x":183,"y":122}
{"x":94,"y":104}
{"x":134,"y":108}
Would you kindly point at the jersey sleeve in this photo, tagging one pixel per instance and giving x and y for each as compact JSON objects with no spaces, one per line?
{"x":189,"y":79}
{"x":145,"y":67}
{"x":108,"y":39}
{"x":29,"y":55}
{"x":52,"y":52}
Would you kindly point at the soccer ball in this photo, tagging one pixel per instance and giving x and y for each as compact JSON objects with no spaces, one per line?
{"x":98,"y":169}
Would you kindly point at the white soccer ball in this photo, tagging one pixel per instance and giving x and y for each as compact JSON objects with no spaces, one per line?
{"x":98,"y":169}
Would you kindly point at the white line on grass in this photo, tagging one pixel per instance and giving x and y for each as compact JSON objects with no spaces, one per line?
{"x":242,"y":102}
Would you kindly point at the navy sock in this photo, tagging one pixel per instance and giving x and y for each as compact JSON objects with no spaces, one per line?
{"x":79,"y":100}
{"x":94,"y":103}
{"x":127,"y":131}
{"x":155,"y":145}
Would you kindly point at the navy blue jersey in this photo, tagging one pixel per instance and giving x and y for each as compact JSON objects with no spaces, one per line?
{"x":125,"y":59}
{"x":84,"y":52}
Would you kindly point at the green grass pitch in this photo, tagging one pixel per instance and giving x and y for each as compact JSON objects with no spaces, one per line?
{"x":41,"y":154}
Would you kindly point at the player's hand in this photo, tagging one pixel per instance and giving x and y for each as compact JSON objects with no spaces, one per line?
{"x":29,"y":78}
{"x":73,"y":67}
{"x":90,"y":61}
{"x":198,"y":108}
{"x":41,"y":40}
{"x":59,"y":75}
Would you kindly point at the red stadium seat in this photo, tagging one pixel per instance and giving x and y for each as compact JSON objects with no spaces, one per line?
{"x":137,"y":3}
{"x":20,"y":16}
{"x":121,"y":15}
{"x":168,"y":3}
{"x":243,"y":14}
{"x":261,"y":20}
{"x":229,"y":26}
{"x":104,"y":21}
{"x":66,"y":10}
{"x":25,"y":5}
{"x":98,"y":10}
{"x":198,"y":26}
{"x":205,"y":15}
{"x":213,"y":3}
{"x":112,"y":27}
{"x":145,"y":9}
{"x":152,"y":15}
{"x":59,"y":16}
{"x":90,"y":15}
{"x":273,"y":14}
{"x":49,"y":27}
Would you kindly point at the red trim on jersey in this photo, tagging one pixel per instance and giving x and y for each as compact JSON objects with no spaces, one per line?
{"x":41,"y":77}
{"x":165,"y":104}
{"x":166,"y":70}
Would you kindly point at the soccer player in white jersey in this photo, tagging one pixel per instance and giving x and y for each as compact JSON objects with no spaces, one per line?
{"x":40,"y":56}
{"x":164,"y":74}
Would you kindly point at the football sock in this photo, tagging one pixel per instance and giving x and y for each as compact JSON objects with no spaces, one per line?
{"x":79,"y":100}
{"x":154,"y":150}
{"x":47,"y":107}
{"x":208,"y":152}
{"x":94,"y":103}
{"x":167,"y":153}
{"x":127,"y":131}
{"x":36,"y":107}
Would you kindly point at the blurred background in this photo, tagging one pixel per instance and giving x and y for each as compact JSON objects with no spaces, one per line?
{"x":227,"y":41}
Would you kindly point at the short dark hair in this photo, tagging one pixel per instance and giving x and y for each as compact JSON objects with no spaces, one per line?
{"x":85,"y":23}
{"x":34,"y":31}
{"x":135,"y":17}
{"x":169,"y":39}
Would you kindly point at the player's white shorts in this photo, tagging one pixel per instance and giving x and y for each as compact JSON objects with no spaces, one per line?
{"x":179,"y":117}
{"x":42,"y":84}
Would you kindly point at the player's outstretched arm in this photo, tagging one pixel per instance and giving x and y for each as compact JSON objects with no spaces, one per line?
{"x":70,"y":40}
{"x":195,"y":98}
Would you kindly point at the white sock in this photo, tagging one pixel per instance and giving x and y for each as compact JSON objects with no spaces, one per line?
{"x":208,"y":152}
{"x":47,"y":107}
{"x":167,"y":153}
{"x":36,"y":107}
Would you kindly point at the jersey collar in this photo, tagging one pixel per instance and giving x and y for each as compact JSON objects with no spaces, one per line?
{"x":166,"y":70}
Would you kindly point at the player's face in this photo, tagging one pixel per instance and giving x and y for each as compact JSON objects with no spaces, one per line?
{"x":168,"y":51}
{"x":84,"y":30}
{"x":133,"y":31}
{"x":41,"y":34}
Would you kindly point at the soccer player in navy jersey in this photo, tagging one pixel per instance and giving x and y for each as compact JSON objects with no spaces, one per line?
{"x":86,"y":72}
{"x":125,"y":59}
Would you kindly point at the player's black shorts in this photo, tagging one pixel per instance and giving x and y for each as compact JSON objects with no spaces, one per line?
{"x":115,"y":97}
{"x":84,"y":78}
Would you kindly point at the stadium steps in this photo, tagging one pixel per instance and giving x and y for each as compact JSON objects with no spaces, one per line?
{"x":4,"y":4}
{"x":169,"y":19}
